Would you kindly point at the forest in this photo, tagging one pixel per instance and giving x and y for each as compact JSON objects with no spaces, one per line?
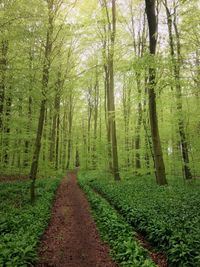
{"x":99,"y":133}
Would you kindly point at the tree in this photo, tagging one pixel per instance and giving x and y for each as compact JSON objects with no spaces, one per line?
{"x":109,"y":71}
{"x":176,"y":63}
{"x":45,"y":81}
{"x":157,"y":149}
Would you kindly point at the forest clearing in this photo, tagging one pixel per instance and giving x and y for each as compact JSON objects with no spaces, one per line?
{"x":99,"y":133}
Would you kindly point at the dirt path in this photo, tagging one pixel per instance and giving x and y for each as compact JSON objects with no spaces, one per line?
{"x":71,"y":239}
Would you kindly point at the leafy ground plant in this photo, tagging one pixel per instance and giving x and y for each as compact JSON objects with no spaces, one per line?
{"x":22,"y":224}
{"x":114,"y":230}
{"x":169,"y":217}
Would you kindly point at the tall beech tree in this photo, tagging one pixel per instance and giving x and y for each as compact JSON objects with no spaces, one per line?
{"x":157,"y":148}
{"x":82,"y":88}
{"x":175,"y":52}
{"x":45,"y":81}
{"x":3,"y":65}
{"x":110,"y":87}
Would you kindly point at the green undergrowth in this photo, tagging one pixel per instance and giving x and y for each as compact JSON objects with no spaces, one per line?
{"x":169,"y":217}
{"x":116,"y":232}
{"x":22,"y":224}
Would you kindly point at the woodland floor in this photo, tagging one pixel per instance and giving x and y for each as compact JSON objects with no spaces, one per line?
{"x":72,"y":239}
{"x":13,"y":178}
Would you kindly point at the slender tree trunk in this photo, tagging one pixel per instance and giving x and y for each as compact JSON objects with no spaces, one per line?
{"x":57,"y":141}
{"x":77,"y":163}
{"x":64,"y":140}
{"x":34,"y":165}
{"x":53,"y":134}
{"x":45,"y":137}
{"x":137,"y":138}
{"x":96,"y":106}
{"x":138,"y":126}
{"x":176,"y":70}
{"x":157,"y":149}
{"x":70,"y":118}
{"x":107,"y":86}
{"x":126,"y":111}
{"x":111,"y":98}
{"x":6,"y":130}
{"x":56,"y":112}
{"x":29,"y":123}
{"x":19,"y":130}
{"x":59,"y":85}
{"x":139,"y":42}
{"x":90,"y":110}
{"x":3,"y":81}
{"x":3,"y":69}
{"x":45,"y":81}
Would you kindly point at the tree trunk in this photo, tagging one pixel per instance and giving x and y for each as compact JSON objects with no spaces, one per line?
{"x":126,"y":111}
{"x":45,"y":81}
{"x":90,"y":110}
{"x":176,"y":70}
{"x":138,"y":126}
{"x":56,"y":112}
{"x":34,"y":165}
{"x":77,"y":163}
{"x":107,"y":82}
{"x":96,"y":106}
{"x":3,"y":68}
{"x":6,"y":130}
{"x":70,"y":121}
{"x":27,"y":141}
{"x":157,"y":149}
{"x":64,"y":126}
{"x":57,"y":141}
{"x":111,"y":98}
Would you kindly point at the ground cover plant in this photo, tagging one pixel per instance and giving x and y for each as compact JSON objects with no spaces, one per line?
{"x":106,"y":85}
{"x":21,"y":223}
{"x":114,"y":230}
{"x":169,"y":217}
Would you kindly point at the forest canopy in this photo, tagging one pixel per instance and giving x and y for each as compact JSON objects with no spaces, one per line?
{"x":99,"y":133}
{"x":110,"y":85}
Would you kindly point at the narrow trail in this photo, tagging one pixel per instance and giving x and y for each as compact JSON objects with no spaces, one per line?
{"x":72,"y":240}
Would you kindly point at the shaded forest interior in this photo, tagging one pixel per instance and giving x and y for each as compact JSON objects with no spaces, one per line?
{"x":110,"y":85}
{"x":111,"y":90}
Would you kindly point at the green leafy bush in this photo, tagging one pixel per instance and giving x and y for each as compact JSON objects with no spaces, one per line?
{"x":114,"y":230}
{"x":22,"y":224}
{"x":169,"y":217}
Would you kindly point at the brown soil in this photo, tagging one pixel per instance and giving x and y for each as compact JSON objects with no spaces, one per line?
{"x":159,"y":258}
{"x":71,"y":239}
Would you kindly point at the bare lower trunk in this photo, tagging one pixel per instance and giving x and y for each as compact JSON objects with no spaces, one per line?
{"x":69,"y":132}
{"x":107,"y":82}
{"x":176,"y":71}
{"x":45,"y":81}
{"x":34,"y":165}
{"x":157,"y":149}
{"x":111,"y":110}
{"x":3,"y":68}
{"x":96,"y":100}
{"x":54,"y":125}
{"x":137,"y":138}
{"x":7,"y":128}
{"x":57,"y":141}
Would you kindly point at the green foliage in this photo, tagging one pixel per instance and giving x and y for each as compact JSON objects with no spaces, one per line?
{"x":21,"y":224}
{"x":114,"y":230}
{"x":169,"y":217}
